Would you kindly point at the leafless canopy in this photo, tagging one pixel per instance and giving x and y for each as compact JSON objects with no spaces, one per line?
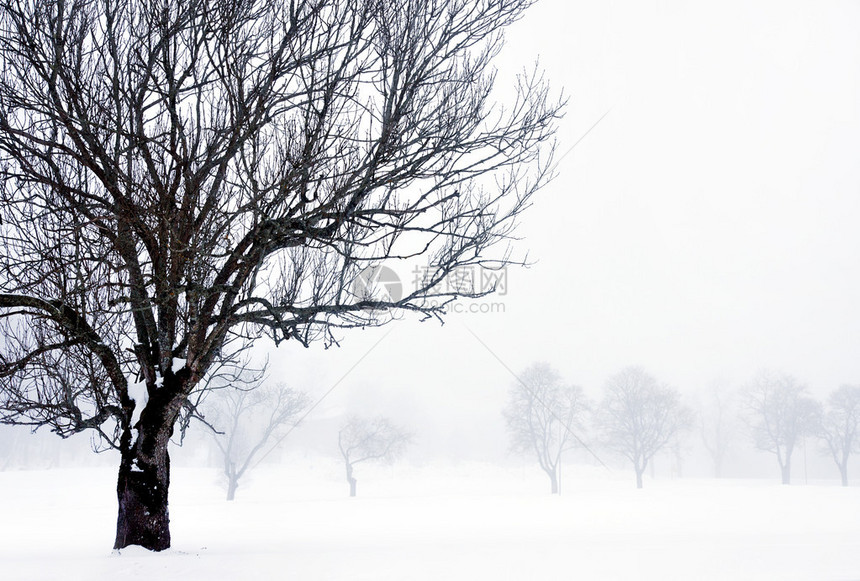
{"x":174,"y":174}
{"x":779,"y":414}
{"x":543,"y":417}
{"x":244,"y":421}
{"x":638,"y":417}
{"x":369,"y":440}
{"x":840,"y":426}
{"x":716,"y":415}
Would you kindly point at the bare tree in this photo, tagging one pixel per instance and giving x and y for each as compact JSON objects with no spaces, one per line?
{"x":177,"y":175}
{"x":367,"y":440}
{"x":839,"y":426}
{"x":543,"y":417}
{"x":638,"y":417}
{"x":716,"y":418}
{"x":244,"y":420}
{"x":779,"y":414}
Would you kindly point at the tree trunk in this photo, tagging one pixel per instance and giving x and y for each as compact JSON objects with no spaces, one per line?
{"x":843,"y":471}
{"x":785,"y":469}
{"x":142,"y":493}
{"x":232,"y":485}
{"x":144,"y":474}
{"x":639,"y":467}
{"x":352,"y":481}
{"x":553,"y":478}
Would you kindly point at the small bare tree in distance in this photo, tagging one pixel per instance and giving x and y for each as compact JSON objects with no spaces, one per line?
{"x":638,"y":417}
{"x":543,"y":416}
{"x":367,"y":440}
{"x":839,"y":426}
{"x":717,"y":414}
{"x":244,"y":420}
{"x":779,"y":413}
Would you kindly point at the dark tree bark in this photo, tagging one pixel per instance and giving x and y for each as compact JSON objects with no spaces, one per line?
{"x":142,"y":490}
{"x":144,"y":476}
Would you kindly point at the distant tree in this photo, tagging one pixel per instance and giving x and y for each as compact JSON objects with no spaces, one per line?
{"x":637,"y":417}
{"x":716,"y":418}
{"x":543,"y":416}
{"x":839,"y":426}
{"x":779,"y":414}
{"x":366,"y":440}
{"x":244,"y":421}
{"x":677,"y":454}
{"x":20,"y":448}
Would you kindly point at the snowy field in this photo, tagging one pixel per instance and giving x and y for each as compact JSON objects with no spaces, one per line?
{"x":459,"y":522}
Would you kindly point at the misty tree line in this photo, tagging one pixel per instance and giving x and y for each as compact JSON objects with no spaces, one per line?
{"x":780,"y":412}
{"x":637,"y":417}
{"x":248,"y":422}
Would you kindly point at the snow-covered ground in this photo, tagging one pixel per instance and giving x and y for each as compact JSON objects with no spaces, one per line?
{"x":436,"y":523}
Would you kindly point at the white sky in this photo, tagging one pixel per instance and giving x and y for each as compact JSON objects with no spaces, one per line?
{"x":712,"y":217}
{"x":708,"y":227}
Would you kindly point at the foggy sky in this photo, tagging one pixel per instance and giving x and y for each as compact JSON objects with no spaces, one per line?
{"x":706,"y":228}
